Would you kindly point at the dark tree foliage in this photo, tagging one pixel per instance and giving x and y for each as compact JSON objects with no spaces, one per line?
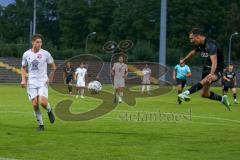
{"x":66,"y":23}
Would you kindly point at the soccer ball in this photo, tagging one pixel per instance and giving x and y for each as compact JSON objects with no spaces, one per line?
{"x":94,"y":87}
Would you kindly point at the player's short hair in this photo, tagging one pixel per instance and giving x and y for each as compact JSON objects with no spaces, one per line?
{"x":121,"y":54}
{"x":37,"y":36}
{"x":196,"y":31}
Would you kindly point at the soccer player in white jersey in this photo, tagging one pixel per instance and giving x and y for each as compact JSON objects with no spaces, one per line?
{"x":81,"y":78}
{"x":146,"y":74}
{"x":36,"y":60}
{"x":120,"y":72}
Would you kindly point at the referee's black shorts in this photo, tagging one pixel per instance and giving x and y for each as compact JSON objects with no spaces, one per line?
{"x":181,"y":82}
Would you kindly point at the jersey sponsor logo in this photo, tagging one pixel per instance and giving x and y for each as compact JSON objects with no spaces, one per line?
{"x":204,"y":54}
{"x":34,"y":65}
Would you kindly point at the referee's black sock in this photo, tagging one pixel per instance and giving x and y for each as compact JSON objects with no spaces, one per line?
{"x":215,"y":96}
{"x":195,"y":88}
{"x":235,"y":95}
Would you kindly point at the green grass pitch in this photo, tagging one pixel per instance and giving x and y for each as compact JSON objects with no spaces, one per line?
{"x":211,"y":133}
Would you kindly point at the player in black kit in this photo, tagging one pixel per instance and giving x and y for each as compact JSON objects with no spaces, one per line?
{"x":68,"y":74}
{"x":213,"y":64}
{"x":230,"y":82}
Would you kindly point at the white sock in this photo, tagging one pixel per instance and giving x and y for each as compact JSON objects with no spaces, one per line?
{"x":39,"y":117}
{"x":82,"y":92}
{"x":120,"y":99}
{"x":143,"y":88}
{"x":48,"y":108}
{"x":121,"y":94}
{"x":148,"y":88}
{"x":186,"y":92}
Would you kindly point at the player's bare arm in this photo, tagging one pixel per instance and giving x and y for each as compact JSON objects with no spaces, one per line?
{"x":211,"y":77}
{"x":214,"y":63}
{"x":24,"y":74}
{"x":75,"y":76}
{"x":64,"y":76}
{"x":235,"y":81}
{"x":113,"y":71}
{"x":126,"y":74}
{"x":225,"y":78}
{"x":51,"y":75}
{"x":189,"y":74}
{"x":174,"y":74}
{"x":189,"y":56}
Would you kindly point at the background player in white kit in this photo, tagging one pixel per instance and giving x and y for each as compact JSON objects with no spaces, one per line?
{"x":37,"y":59}
{"x":81,"y":78}
{"x":120,"y":72}
{"x":146,"y":74}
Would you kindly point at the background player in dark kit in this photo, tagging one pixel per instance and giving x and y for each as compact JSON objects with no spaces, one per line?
{"x":230,"y":82}
{"x":212,"y":58}
{"x":68,"y":74}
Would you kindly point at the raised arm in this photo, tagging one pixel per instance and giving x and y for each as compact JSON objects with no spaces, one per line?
{"x":189,"y":56}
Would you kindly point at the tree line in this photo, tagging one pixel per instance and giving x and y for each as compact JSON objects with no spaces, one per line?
{"x":65,"y":25}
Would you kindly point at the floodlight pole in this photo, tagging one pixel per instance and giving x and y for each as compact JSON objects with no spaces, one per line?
{"x":162,"y":38}
{"x":86,"y":41}
{"x":34,"y":16}
{"x":230,"y":46}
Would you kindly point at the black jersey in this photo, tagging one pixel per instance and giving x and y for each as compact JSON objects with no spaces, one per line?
{"x":69,"y":72}
{"x":210,"y":47}
{"x":230,"y":76}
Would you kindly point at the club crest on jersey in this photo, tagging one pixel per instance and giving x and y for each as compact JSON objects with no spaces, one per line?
{"x":34,"y":65}
{"x":39,"y":56}
{"x":204,"y":54}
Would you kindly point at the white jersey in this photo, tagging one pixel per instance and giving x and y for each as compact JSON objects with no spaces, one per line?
{"x":37,"y":66}
{"x":81,"y":73}
{"x":146,"y":75}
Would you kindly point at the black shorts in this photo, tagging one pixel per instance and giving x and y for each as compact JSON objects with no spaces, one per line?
{"x":226,"y":87}
{"x":181,"y":82}
{"x":207,"y":72}
{"x":68,"y":80}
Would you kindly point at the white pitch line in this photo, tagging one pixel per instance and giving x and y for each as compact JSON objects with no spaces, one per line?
{"x":108,"y":117}
{"x":3,"y":158}
{"x":218,"y":118}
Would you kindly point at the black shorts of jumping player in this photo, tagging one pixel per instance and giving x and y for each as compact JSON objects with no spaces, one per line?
{"x":207,"y":71}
